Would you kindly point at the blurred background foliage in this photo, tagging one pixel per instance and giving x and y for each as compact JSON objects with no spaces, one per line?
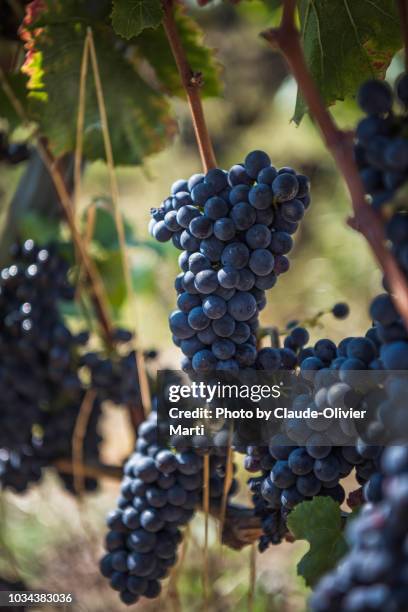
{"x":52,"y":540}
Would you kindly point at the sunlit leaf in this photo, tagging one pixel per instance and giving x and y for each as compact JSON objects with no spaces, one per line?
{"x":346,"y":43}
{"x":139,"y":117}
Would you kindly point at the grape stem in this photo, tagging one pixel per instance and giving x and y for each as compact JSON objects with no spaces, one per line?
{"x":95,"y":284}
{"x":78,"y":438}
{"x":403,"y":11}
{"x":366,"y":220}
{"x":192,"y":83}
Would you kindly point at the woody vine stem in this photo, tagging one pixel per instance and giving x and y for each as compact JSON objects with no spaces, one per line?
{"x":192,"y":83}
{"x":365,"y":220}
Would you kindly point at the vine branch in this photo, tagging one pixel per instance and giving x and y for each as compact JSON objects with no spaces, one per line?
{"x":365,"y":220}
{"x":192,"y":83}
{"x":78,"y":438}
{"x":95,"y":283}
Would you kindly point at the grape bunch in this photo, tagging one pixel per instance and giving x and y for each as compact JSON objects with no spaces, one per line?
{"x":35,"y":345}
{"x":46,"y":370}
{"x":51,"y":441}
{"x":292,"y":474}
{"x":234,"y":230}
{"x":392,"y":339}
{"x":160,"y":491}
{"x":389,"y":325}
{"x":372,"y":576}
{"x":311,"y":457}
{"x":381,"y":149}
{"x":391,"y":335}
{"x":382,"y":156}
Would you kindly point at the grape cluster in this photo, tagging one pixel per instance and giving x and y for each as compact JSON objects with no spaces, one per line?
{"x":311,"y":457}
{"x":234,"y":230}
{"x":42,"y":377}
{"x":292,"y":474}
{"x":12,"y":152}
{"x":35,"y":345}
{"x":51,"y":441}
{"x":382,"y":156}
{"x":392,"y":339}
{"x":390,"y":329}
{"x":372,"y":576}
{"x":381,"y":149}
{"x":160,"y":491}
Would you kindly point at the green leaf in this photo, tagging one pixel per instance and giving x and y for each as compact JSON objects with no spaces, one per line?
{"x":39,"y":228}
{"x":70,"y":309}
{"x":144,"y":279}
{"x":345,"y":43}
{"x":320,"y":523}
{"x":111,"y":270}
{"x":104,"y":231}
{"x":130,"y":17}
{"x":139,"y":117}
{"x":153,"y":46}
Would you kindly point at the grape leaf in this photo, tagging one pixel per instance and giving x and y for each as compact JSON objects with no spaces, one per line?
{"x":110,"y":266}
{"x":153,"y":45}
{"x":139,"y":117}
{"x":38,"y":228}
{"x":320,"y":523}
{"x":346,"y":43}
{"x":130,"y":17}
{"x":104,"y":231}
{"x":70,"y":310}
{"x":144,"y":279}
